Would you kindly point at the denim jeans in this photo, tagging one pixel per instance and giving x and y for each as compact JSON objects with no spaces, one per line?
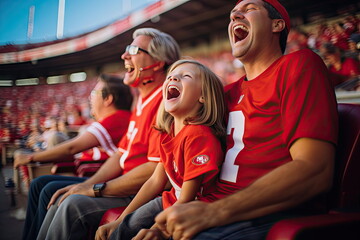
{"x":77,"y":217}
{"x":143,"y":217}
{"x":40,"y":193}
{"x":255,"y":229}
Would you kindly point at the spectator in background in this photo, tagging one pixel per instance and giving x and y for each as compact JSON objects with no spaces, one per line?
{"x":350,"y":24}
{"x":75,"y":209}
{"x":52,"y":136}
{"x":75,"y":118}
{"x":280,"y":153}
{"x":354,"y":47}
{"x":22,"y":134}
{"x":110,"y":104}
{"x":5,"y":134}
{"x":341,"y":68}
{"x":297,"y":40}
{"x":34,"y":141}
{"x":339,"y":37}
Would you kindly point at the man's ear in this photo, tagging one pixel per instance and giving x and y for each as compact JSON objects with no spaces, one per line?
{"x":160,"y":66}
{"x":278,"y":25}
{"x":202,"y":99}
{"x":108,"y":100}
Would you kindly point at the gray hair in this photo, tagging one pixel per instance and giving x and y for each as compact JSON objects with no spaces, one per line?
{"x":162,"y":47}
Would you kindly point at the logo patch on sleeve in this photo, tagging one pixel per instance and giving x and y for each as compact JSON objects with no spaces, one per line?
{"x":200,"y":160}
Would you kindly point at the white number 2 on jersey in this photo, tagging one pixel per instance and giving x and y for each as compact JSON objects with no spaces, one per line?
{"x":229,"y":170}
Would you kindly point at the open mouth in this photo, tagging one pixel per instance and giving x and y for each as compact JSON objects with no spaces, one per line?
{"x":240,"y":33}
{"x":172,"y":92}
{"x":129,"y":68}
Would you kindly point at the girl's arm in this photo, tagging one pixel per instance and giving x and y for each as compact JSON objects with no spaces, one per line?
{"x":190,"y":189}
{"x":188,"y":193}
{"x":151,"y":188}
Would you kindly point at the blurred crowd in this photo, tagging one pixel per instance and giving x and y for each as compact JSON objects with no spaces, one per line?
{"x":38,"y":117}
{"x":24,"y":118}
{"x":338,"y":43}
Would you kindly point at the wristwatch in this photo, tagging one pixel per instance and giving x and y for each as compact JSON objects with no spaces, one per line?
{"x":98,"y":188}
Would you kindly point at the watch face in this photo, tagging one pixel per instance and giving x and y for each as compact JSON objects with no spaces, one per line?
{"x":99,"y":186}
{"x":97,"y":189}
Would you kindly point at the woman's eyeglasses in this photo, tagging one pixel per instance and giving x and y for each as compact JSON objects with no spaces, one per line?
{"x":133,"y":50}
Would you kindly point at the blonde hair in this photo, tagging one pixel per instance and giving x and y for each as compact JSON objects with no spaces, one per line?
{"x":212,"y":111}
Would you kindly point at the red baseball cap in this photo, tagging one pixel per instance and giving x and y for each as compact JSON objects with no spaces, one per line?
{"x":281,"y":9}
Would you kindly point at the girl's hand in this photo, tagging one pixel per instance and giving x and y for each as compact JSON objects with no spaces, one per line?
{"x":104,"y":231}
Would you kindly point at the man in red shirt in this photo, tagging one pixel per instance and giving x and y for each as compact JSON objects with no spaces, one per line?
{"x":75,"y":209}
{"x":280,"y":151}
{"x":110,"y":101}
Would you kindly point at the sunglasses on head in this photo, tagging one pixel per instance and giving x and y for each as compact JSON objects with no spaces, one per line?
{"x":133,"y":50}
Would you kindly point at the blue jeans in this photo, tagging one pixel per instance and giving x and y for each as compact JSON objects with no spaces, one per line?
{"x":143,"y":217}
{"x":77,"y":217}
{"x":40,"y":193}
{"x":255,"y":229}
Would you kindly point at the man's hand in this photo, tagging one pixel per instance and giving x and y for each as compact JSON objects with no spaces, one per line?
{"x":183,"y":221}
{"x":22,"y":159}
{"x":154,"y":233}
{"x":80,"y":188}
{"x":149,"y":234}
{"x":104,"y":231}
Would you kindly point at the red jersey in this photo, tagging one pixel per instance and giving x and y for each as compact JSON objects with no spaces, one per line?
{"x":194,"y":151}
{"x":349,"y":68}
{"x":93,"y":154}
{"x":134,"y":145}
{"x":110,"y":130}
{"x":291,"y":99}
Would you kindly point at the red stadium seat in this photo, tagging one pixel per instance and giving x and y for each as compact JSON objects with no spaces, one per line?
{"x":343,"y":218}
{"x":88,"y":169}
{"x":111,"y":215}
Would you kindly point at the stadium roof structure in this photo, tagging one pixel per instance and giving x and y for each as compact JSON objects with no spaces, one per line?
{"x":189,"y":22}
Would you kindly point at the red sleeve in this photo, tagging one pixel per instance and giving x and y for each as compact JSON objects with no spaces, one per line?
{"x":202,"y":155}
{"x":305,"y":113}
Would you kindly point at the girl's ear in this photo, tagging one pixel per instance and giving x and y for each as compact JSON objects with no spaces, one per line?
{"x":202,"y":99}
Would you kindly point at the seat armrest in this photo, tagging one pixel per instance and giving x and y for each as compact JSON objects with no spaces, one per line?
{"x":63,"y":167}
{"x":327,"y":226}
{"x":111,"y":215}
{"x":87,"y":170}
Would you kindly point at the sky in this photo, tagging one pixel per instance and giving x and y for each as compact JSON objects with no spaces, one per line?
{"x":81,"y":16}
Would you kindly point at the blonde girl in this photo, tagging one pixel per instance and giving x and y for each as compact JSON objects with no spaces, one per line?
{"x":187,"y":141}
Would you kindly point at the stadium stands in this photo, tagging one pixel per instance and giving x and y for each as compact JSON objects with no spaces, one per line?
{"x":19,"y":106}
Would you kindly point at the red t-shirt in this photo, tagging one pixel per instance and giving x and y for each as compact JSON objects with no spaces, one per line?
{"x":110,"y":130}
{"x":134,"y":145}
{"x":194,"y":151}
{"x":291,"y":99}
{"x":349,"y":68}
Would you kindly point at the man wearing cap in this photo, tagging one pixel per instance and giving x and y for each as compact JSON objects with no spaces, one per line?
{"x":280,"y":148}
